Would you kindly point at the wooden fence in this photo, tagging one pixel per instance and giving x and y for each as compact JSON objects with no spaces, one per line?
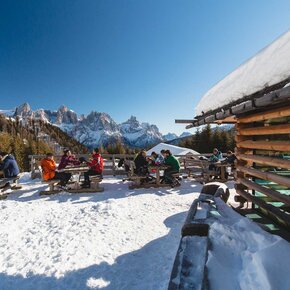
{"x":111,"y":162}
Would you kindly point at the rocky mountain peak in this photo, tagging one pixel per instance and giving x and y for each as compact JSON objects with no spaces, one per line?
{"x":23,"y":110}
{"x":66,"y":116}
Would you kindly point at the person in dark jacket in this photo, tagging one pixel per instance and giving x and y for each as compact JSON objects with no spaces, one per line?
{"x":8,"y":165}
{"x":173,"y":167}
{"x":141,"y":163}
{"x":157,"y":159}
{"x":67,"y":159}
{"x":231,"y":157}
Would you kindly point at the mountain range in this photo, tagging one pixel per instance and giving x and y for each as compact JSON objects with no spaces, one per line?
{"x":96,"y":128}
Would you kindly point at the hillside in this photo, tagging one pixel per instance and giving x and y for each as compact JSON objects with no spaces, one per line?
{"x":33,"y":138}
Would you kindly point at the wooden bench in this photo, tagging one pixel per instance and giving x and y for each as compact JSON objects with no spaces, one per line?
{"x":52,"y":187}
{"x":199,"y":169}
{"x":13,"y":181}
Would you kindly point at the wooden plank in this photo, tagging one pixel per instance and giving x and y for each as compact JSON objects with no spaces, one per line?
{"x":184,"y":121}
{"x":276,"y":195}
{"x":266,"y":130}
{"x":228,"y":120}
{"x":275,"y":113}
{"x":265,"y":175}
{"x":273,"y":212}
{"x":49,"y":192}
{"x":148,"y":185}
{"x":265,"y":145}
{"x":269,"y":161}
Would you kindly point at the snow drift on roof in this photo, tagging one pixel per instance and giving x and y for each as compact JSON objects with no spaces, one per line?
{"x":175,"y":150}
{"x":270,"y":66}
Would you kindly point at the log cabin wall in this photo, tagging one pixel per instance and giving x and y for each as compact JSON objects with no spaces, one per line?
{"x":263,"y":162}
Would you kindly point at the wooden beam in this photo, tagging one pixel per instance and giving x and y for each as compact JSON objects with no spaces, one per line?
{"x":228,"y":120}
{"x":269,"y":161}
{"x":265,"y":145}
{"x":276,"y":195}
{"x":272,"y":211}
{"x":186,"y":121}
{"x":275,"y":113}
{"x":266,"y":130}
{"x":282,"y":180}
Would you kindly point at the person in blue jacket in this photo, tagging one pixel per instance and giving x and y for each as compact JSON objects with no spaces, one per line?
{"x":8,"y":165}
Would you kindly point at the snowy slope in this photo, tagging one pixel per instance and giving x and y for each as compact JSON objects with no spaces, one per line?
{"x":118,"y":239}
{"x":268,"y":67}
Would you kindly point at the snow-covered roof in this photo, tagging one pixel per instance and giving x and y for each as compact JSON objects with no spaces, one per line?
{"x":175,"y":150}
{"x":269,"y":67}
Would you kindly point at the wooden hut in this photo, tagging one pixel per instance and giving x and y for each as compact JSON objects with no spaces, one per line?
{"x":256,"y":98}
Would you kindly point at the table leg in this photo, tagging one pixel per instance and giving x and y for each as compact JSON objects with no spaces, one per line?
{"x":223,"y":172}
{"x":157,"y":176}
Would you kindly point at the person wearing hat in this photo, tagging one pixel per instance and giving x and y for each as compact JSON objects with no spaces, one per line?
{"x":67,"y":159}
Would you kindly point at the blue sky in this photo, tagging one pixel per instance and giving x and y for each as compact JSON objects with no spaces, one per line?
{"x":150,"y":58}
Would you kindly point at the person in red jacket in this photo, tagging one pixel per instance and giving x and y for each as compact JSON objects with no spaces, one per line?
{"x":96,"y":165}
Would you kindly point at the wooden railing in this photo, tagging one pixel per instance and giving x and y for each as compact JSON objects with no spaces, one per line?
{"x":111,"y":162}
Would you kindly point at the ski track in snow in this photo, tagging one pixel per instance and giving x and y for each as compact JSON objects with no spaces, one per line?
{"x":118,"y":239}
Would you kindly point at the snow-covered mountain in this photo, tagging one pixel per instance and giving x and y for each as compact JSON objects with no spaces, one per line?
{"x":185,"y":134}
{"x":92,"y":130}
{"x":169,"y":136}
{"x":173,"y":136}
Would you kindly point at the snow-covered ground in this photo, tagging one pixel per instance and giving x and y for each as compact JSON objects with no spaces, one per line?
{"x":126,"y":239}
{"x":117,"y":239}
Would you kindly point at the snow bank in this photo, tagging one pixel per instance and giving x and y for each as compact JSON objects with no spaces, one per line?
{"x":244,"y":257}
{"x":268,"y":67}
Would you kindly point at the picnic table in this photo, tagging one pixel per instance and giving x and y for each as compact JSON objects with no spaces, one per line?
{"x":76,"y":172}
{"x":199,"y":170}
{"x":152,"y":179}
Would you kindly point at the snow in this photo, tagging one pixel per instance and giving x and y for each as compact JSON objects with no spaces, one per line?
{"x":7,"y":113}
{"x":128,"y":239}
{"x":270,"y":66}
{"x":251,"y":258}
{"x":118,"y":239}
{"x":175,"y":150}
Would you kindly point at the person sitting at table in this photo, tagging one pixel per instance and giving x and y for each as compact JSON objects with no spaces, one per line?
{"x":173,"y":168}
{"x":214,"y":158}
{"x":231,"y":157}
{"x":67,"y":159}
{"x":157,"y":158}
{"x":9,"y":167}
{"x":141,"y":163}
{"x":49,"y":171}
{"x":96,"y":165}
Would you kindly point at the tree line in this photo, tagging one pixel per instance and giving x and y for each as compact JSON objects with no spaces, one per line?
{"x":204,"y":140}
{"x":23,"y":139}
